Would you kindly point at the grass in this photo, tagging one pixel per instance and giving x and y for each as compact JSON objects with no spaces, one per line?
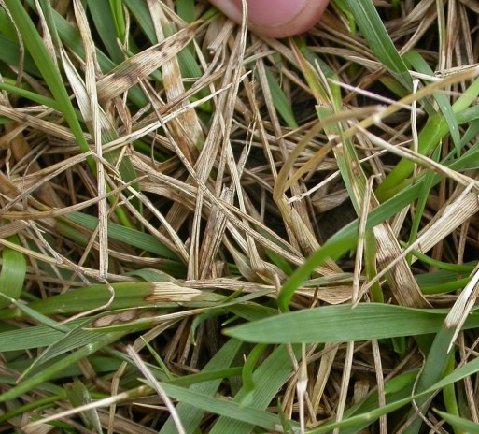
{"x":208,"y":231}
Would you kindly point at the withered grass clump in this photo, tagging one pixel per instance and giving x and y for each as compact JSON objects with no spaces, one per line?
{"x":204,"y":230}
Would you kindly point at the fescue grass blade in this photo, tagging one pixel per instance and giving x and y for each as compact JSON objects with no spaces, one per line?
{"x":371,"y":26}
{"x":223,"y":407}
{"x":268,"y":378}
{"x":325,"y":324}
{"x":48,"y":69}
{"x":10,"y":54}
{"x":32,"y":96}
{"x":365,"y":418}
{"x":429,"y":137}
{"x":78,"y":394}
{"x":12,"y":274}
{"x":108,"y":27}
{"x":280,"y":100}
{"x":459,"y":424}
{"x":32,"y":337}
{"x":186,"y":10}
{"x":420,"y":65}
{"x":130,"y":236}
{"x":58,"y":366}
{"x":191,"y":415}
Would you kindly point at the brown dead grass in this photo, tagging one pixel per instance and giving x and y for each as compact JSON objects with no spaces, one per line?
{"x":222,"y":186}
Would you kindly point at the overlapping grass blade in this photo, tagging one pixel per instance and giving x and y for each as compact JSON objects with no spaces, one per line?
{"x":429,"y":137}
{"x":10,"y":54}
{"x":78,"y":394}
{"x":420,"y":65}
{"x":48,"y":69}
{"x":191,"y":415}
{"x":368,"y":417}
{"x":108,"y":27}
{"x":459,"y":424}
{"x":28,"y":338}
{"x":345,"y":239}
{"x":371,"y":26}
{"x":267,"y":379}
{"x":130,"y":236}
{"x":59,"y":365}
{"x":223,"y":407}
{"x":280,"y":100}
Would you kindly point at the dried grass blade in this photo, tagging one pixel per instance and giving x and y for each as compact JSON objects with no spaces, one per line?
{"x":142,"y":64}
{"x":186,"y":127}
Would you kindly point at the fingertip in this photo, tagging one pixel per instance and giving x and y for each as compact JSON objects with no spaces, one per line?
{"x":275,"y":18}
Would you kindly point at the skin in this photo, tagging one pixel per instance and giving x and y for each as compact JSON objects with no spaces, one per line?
{"x":275,"y":18}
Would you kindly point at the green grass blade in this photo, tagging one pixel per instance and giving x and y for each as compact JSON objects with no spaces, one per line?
{"x":333,"y":248}
{"x":58,"y":366}
{"x":433,"y":371}
{"x":459,"y":424}
{"x":50,"y":73}
{"x":47,"y":10}
{"x":130,"y":236}
{"x":186,"y":10}
{"x":268,"y":378}
{"x":206,"y":376}
{"x":343,"y":7}
{"x":28,"y":338}
{"x":106,"y":26}
{"x":280,"y":100}
{"x":326,"y":324}
{"x":429,"y":138}
{"x":10,"y":54}
{"x":127,"y":295}
{"x":449,"y":392}
{"x":414,"y":59}
{"x":25,"y":310}
{"x":32,"y":96}
{"x":190,"y":415}
{"x":31,"y":406}
{"x":371,"y":26}
{"x":224,"y":407}
{"x":78,"y":394}
{"x":116,"y":7}
{"x":76,"y":338}
{"x":139,"y":10}
{"x":247,"y":374}
{"x":12,"y":274}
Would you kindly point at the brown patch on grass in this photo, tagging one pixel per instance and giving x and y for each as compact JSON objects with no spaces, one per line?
{"x":216,"y":179}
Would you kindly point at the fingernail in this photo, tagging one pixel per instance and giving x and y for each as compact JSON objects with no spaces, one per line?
{"x":272,"y":12}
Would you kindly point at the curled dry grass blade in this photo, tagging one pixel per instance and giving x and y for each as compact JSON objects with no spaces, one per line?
{"x":173,"y":184}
